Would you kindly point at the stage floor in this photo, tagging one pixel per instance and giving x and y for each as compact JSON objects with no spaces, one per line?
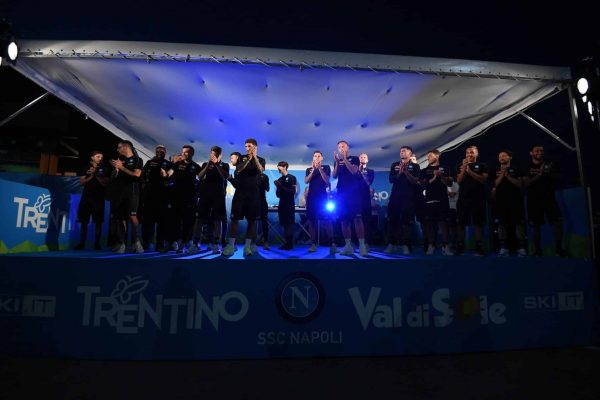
{"x":299,"y":252}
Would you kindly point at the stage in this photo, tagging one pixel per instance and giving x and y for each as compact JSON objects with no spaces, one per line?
{"x":100,"y":305}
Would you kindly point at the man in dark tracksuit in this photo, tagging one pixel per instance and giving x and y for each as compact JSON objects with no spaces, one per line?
{"x":286,"y":191}
{"x":154,"y":198}
{"x":93,"y":179}
{"x":184,"y":173}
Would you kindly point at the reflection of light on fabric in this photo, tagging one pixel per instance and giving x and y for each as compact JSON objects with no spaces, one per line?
{"x":330,"y":206}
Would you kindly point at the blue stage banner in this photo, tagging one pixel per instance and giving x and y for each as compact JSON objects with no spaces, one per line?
{"x":153,"y":308}
{"x":34,"y":218}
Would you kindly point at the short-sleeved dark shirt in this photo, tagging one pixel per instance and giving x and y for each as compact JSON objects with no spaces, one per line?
{"x":249,"y":178}
{"x":93,"y":188}
{"x":545,"y":185}
{"x":317,"y":186}
{"x":471,"y":189}
{"x":402,"y":188}
{"x":436,"y":190}
{"x":212,"y":181}
{"x":151,"y":173}
{"x":347,"y":181}
{"x":184,"y":176}
{"x":507,"y":190}
{"x":286,"y":182}
{"x":132,"y":163}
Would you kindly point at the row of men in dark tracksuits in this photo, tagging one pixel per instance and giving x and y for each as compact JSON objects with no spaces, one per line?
{"x":472,"y":175}
{"x":170,"y":198}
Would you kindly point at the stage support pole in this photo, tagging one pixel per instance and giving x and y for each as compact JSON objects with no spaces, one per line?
{"x":586,"y":189}
{"x":22,"y":110}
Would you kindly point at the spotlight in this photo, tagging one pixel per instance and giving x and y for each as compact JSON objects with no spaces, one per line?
{"x":590,"y":108}
{"x":13,"y":51}
{"x":9,"y":50}
{"x":330,"y":206}
{"x":583,"y":85}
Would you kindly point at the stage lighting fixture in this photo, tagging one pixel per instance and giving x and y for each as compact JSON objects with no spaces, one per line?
{"x":590,"y":108}
{"x":9,"y":50}
{"x":583,"y":85}
{"x":330,"y":206}
{"x":584,"y":99}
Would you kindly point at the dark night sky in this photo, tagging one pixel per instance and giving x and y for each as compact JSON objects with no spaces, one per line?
{"x":490,"y":31}
{"x":521,"y":33}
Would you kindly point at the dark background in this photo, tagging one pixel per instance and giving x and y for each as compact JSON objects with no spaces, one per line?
{"x":544,"y":34}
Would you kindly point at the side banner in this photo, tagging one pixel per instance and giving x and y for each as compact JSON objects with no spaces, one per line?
{"x":184,"y":309}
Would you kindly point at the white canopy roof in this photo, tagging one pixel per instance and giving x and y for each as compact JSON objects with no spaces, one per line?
{"x":292,"y":102}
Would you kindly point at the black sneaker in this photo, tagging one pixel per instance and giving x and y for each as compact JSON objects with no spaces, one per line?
{"x":80,"y":246}
{"x":97,"y":246}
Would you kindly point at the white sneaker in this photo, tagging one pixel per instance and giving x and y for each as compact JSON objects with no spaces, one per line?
{"x":312,"y":248}
{"x":175,"y":246}
{"x":253,"y":249}
{"x":333,"y":249}
{"x":247,"y":251}
{"x":390,"y":249}
{"x":446,"y":251}
{"x":120,"y":249}
{"x":430,"y":250}
{"x":348,"y":250}
{"x":228,"y":250}
{"x":364,"y":250}
{"x":137,"y":247}
{"x":405,"y":250}
{"x":503,"y":252}
{"x":215,"y":249}
{"x":522,"y":252}
{"x":266,"y":246}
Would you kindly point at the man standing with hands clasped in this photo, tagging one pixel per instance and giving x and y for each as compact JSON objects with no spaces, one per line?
{"x":404,"y":177}
{"x":213,"y":177}
{"x":472,"y":176}
{"x":246,"y":200}
{"x":541,"y":200}
{"x":346,"y":169}
{"x":286,"y":190}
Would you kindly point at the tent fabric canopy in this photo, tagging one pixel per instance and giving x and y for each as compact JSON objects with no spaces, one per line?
{"x":292,"y":102}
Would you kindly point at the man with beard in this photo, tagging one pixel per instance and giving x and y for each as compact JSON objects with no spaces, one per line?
{"x":541,"y":200}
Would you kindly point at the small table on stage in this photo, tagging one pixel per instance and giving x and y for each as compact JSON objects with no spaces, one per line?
{"x":297,"y":210}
